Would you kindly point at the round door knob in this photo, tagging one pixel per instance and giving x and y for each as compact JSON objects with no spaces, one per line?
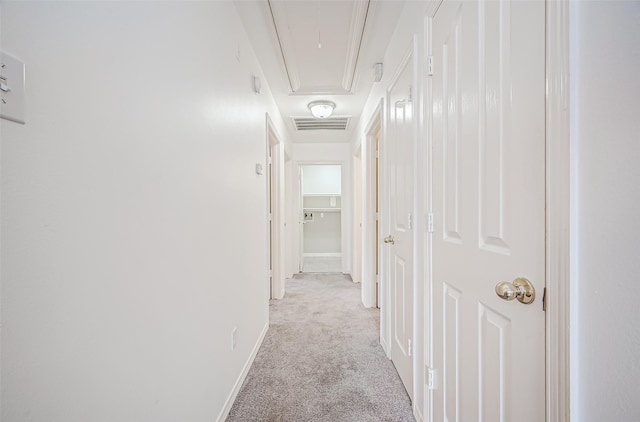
{"x":520,"y":289}
{"x":389,"y":239}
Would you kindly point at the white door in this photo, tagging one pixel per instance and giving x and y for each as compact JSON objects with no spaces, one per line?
{"x":489,"y":209}
{"x":399,"y":149}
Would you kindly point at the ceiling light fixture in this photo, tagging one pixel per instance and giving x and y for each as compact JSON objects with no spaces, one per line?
{"x":321,"y":109}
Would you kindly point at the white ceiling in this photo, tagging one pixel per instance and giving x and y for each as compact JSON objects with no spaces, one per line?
{"x":320,"y":49}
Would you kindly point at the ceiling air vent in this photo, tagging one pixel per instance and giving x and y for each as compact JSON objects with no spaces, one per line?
{"x":330,"y":123}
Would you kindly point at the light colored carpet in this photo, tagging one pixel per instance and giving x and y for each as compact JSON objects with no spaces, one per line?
{"x":322,"y":264}
{"x":321,"y":360}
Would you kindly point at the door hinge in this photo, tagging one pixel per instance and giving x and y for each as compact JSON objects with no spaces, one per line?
{"x":410,"y":96}
{"x":270,"y":216}
{"x":430,"y":222}
{"x":409,"y":347}
{"x":270,"y":160}
{"x":544,"y":299}
{"x":430,"y":65}
{"x":430,"y":378}
{"x":409,"y":221}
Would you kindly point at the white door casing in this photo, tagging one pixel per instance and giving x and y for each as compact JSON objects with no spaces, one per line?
{"x":275,"y":210}
{"x":370,"y":211}
{"x":399,"y":149}
{"x":488,"y":159}
{"x":356,"y":274}
{"x":345,"y":200}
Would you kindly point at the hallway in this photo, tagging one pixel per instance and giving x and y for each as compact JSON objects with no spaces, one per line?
{"x":321,"y":360}
{"x":151,"y":204}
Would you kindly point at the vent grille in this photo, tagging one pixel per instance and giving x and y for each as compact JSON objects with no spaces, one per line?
{"x":330,"y":123}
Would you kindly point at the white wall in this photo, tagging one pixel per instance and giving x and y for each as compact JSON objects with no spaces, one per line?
{"x":605,"y":134}
{"x":321,"y":179}
{"x":326,"y":153}
{"x":322,"y":234}
{"x":134,"y":233}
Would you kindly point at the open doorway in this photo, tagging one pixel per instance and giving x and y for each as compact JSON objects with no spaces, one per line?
{"x":321,"y":209}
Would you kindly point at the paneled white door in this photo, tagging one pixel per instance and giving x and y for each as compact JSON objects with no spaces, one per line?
{"x":488,"y":162}
{"x":399,"y":150}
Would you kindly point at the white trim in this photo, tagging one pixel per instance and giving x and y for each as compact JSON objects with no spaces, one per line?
{"x":275,"y":152}
{"x":324,"y":255}
{"x":357,"y":226}
{"x":243,"y":375}
{"x":386,"y":349}
{"x":345,"y":181}
{"x":374,"y":128}
{"x":291,"y":220}
{"x":558,"y":211}
{"x":419,"y":226}
{"x":428,"y":204}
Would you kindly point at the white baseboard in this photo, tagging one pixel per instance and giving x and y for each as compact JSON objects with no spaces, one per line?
{"x":323,"y":255}
{"x":243,"y":375}
{"x":384,"y":347}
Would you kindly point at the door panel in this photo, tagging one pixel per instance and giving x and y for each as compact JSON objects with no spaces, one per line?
{"x":495,"y":360}
{"x":400,"y":159}
{"x":451,"y":348}
{"x":488,"y":203}
{"x":494,"y":122}
{"x":452,"y":131}
{"x":401,"y":326}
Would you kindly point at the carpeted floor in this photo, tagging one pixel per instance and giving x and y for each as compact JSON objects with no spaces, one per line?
{"x":321,"y":360}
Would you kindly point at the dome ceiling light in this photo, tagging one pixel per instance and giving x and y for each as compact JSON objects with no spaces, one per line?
{"x":321,"y":109}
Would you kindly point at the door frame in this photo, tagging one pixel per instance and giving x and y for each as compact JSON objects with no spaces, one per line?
{"x":275,"y":200}
{"x":558,"y":195}
{"x":291,"y":219}
{"x":358,"y":223}
{"x":298,"y":211}
{"x":558,"y":211}
{"x":375,"y":128}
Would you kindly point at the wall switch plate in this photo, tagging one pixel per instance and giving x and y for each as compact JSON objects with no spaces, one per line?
{"x":11,"y":88}
{"x":259,"y":168}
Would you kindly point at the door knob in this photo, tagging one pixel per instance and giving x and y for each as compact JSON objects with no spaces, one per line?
{"x":521,"y":288}
{"x":389,"y":239}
